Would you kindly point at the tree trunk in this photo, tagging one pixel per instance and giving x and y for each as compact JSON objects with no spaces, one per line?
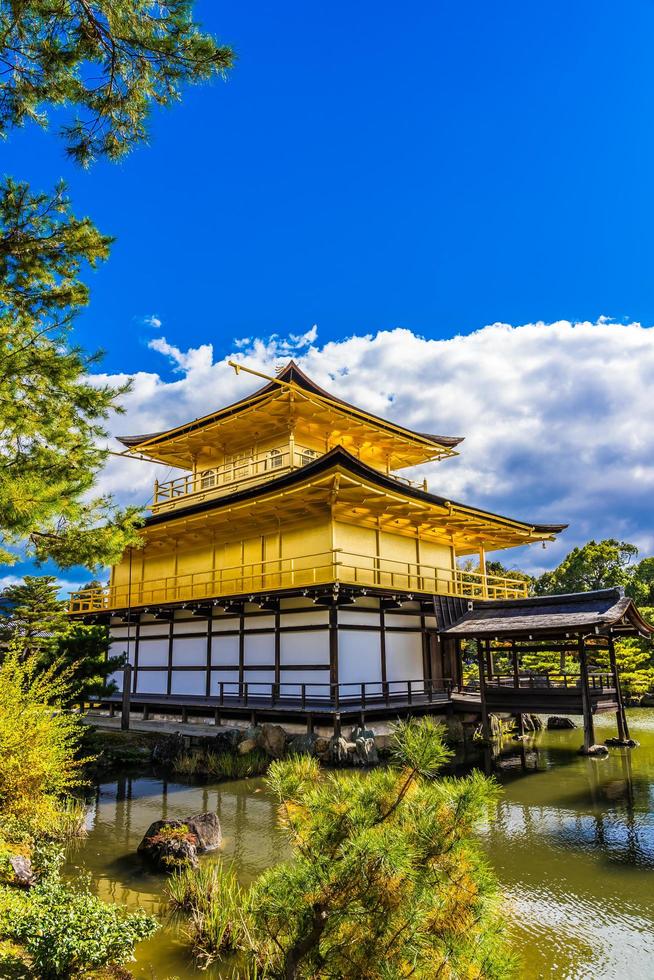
{"x":299,"y":950}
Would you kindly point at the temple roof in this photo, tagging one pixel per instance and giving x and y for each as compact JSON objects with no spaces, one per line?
{"x":172,"y":445}
{"x":362,"y":493}
{"x":551,"y":615}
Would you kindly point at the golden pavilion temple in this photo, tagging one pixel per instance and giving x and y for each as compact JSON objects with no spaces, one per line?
{"x":293,"y":566}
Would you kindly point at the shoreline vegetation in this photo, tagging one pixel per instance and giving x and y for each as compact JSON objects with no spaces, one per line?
{"x":386,"y":876}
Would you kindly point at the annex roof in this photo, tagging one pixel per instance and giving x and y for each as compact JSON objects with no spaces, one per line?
{"x":552,"y":615}
{"x":268,"y":408}
{"x":360,"y":494}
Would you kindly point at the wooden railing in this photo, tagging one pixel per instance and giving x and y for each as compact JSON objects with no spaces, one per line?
{"x":310,"y":695}
{"x":238,"y":473}
{"x":305,"y":570}
{"x":543,"y":681}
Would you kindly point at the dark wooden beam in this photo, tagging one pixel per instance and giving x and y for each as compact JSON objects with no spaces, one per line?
{"x":589,"y":728}
{"x":485,"y":721}
{"x":621,"y":716}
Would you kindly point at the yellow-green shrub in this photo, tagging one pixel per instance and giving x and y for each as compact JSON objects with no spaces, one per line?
{"x":38,"y":744}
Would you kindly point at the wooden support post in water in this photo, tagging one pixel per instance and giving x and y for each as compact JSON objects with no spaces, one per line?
{"x":621,"y":716}
{"x":589,"y":728}
{"x":127,"y":690}
{"x":485,"y":722}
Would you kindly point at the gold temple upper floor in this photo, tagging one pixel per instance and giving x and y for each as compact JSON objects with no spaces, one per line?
{"x":334,"y":566}
{"x":240,"y":471}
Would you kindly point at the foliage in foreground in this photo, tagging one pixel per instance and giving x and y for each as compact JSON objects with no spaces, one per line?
{"x":106,"y":61}
{"x":211,"y":896}
{"x":387,"y":878}
{"x":38,"y":743}
{"x":65,"y":931}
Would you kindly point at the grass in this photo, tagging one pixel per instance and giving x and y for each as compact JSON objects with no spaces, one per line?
{"x":221,"y":765}
{"x":213,"y":898}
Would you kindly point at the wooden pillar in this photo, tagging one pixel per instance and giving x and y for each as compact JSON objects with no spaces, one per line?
{"x":457,"y":677}
{"x":589,"y":728}
{"x":516,"y":665}
{"x":485,"y":722}
{"x":482,"y":571}
{"x":127,"y":689}
{"x":489,"y":659}
{"x":621,"y":716}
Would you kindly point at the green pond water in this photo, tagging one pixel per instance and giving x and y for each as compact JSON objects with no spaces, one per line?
{"x":572,"y":844}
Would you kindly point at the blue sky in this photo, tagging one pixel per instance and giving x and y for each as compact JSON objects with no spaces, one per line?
{"x":411,"y":173}
{"x":435,"y":166}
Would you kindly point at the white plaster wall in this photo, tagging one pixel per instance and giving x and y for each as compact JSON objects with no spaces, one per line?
{"x":189,"y":624}
{"x":189,"y":652}
{"x":395,"y":619}
{"x":259,"y":682}
{"x":304,"y":648}
{"x":259,"y":623}
{"x":154,"y":653}
{"x":259,"y":649}
{"x":224,"y":650}
{"x":314,"y":617}
{"x":348,"y":617}
{"x":152,"y":681}
{"x":315,"y":680}
{"x":189,"y":682}
{"x":404,"y":657}
{"x":359,"y":658}
{"x":228,"y":677}
{"x":223,"y":624}
{"x":154,"y":629}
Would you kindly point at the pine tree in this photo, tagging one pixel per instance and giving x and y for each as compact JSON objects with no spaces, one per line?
{"x":106,"y":61}
{"x":34,"y":624}
{"x":51,"y":414}
{"x":387,"y":878}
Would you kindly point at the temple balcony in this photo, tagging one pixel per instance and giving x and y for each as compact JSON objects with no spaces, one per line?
{"x":238,"y":474}
{"x":335,"y":566}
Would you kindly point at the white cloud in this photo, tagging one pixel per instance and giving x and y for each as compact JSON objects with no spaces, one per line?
{"x":557,"y":417}
{"x":153,"y":321}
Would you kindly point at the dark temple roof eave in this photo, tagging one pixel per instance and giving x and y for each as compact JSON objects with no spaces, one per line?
{"x":600,"y":611}
{"x":335,"y":457}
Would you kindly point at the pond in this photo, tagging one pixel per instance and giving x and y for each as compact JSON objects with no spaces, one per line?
{"x":572,"y":844}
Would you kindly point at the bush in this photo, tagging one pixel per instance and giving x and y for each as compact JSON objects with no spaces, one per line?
{"x":38,"y":743}
{"x":67,"y":931}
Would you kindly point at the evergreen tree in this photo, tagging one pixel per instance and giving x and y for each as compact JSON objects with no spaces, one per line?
{"x":387,"y":878}
{"x":107,"y":61}
{"x":34,"y":624}
{"x":596,"y":565}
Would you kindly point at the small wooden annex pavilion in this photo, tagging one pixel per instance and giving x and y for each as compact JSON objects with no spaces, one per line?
{"x":581,"y":628}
